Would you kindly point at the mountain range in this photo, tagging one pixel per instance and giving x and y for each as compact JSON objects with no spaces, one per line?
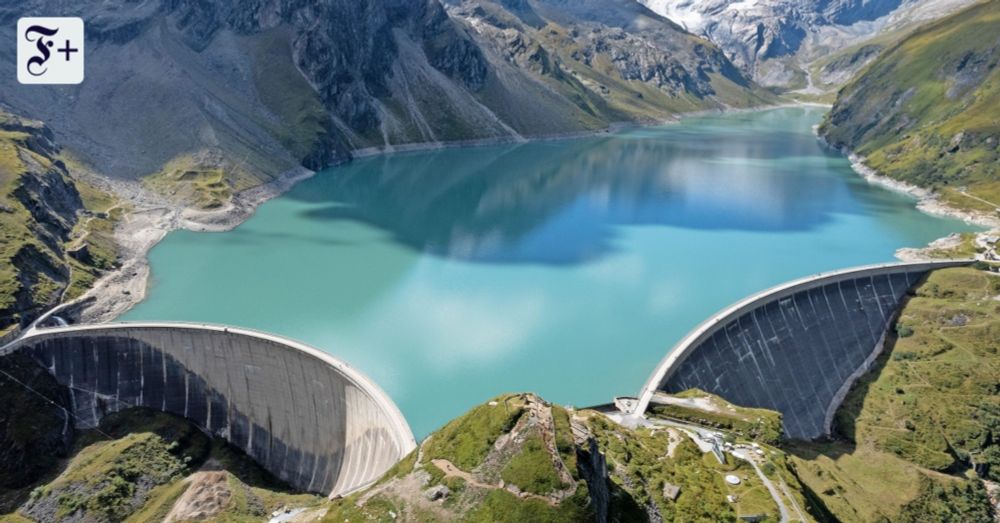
{"x":812,"y":46}
{"x":178,"y":90}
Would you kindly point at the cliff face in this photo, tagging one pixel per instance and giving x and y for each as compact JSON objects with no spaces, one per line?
{"x":350,"y":52}
{"x":384,"y":68}
{"x":926,"y":112}
{"x":253,"y":88}
{"x":604,"y":60}
{"x":47,"y":249}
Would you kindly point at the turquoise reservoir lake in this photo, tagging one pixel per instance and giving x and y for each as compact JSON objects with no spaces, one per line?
{"x":568,"y":268}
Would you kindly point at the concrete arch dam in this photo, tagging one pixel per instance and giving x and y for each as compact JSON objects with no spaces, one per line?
{"x":796,"y":348}
{"x":303,"y":415}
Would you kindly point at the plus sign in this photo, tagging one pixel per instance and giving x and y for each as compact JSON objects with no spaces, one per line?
{"x":67,"y":49}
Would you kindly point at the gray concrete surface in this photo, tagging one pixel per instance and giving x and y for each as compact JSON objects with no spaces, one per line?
{"x":305,"y":416}
{"x":795,"y":348}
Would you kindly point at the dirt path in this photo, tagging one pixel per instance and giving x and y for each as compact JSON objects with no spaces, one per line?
{"x":76,"y":243}
{"x":770,"y":488}
{"x":978,"y":199}
{"x":450,"y":470}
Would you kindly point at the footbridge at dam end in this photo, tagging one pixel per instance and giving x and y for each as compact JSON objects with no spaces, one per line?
{"x":305,"y":416}
{"x":796,"y":348}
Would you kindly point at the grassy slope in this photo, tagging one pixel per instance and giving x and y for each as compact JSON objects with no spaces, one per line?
{"x":640,"y":469}
{"x":18,"y":229}
{"x":106,"y":477}
{"x":927,"y":111}
{"x":304,"y":122}
{"x":142,"y":470}
{"x":531,"y":469}
{"x":466,"y":440}
{"x":14,"y":218}
{"x":911,"y":428}
{"x":470,"y":443}
{"x":934,"y":401}
{"x":185,"y":179}
{"x":97,"y":232}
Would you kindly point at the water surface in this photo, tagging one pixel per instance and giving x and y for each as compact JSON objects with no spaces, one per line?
{"x":567,"y":268}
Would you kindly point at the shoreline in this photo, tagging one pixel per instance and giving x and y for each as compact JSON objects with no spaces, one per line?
{"x":928,"y":202}
{"x":154,"y":216}
{"x":613,"y":127}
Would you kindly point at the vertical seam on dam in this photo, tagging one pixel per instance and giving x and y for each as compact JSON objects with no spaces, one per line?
{"x":772,"y":351}
{"x":242,"y":385}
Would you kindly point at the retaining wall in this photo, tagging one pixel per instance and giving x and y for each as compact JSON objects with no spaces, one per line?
{"x":303,"y":415}
{"x":796,"y":348}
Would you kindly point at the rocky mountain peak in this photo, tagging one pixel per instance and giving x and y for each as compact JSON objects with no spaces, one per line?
{"x":775,"y":40}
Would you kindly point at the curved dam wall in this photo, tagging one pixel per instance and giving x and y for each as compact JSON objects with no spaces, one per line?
{"x":795,"y":348}
{"x":303,"y":415}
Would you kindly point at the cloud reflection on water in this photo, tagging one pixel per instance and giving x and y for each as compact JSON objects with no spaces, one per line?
{"x":559,"y":202}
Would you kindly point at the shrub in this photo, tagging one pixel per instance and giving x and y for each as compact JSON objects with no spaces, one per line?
{"x":966,"y":501}
{"x":466,"y":441}
{"x":531,"y":469}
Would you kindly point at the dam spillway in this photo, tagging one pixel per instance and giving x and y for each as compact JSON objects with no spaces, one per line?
{"x":796,"y":348}
{"x":306,"y":417}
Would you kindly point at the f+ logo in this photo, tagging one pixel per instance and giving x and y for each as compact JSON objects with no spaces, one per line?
{"x":50,"y":50}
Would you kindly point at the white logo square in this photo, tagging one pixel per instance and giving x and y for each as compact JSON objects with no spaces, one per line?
{"x":50,"y":50}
